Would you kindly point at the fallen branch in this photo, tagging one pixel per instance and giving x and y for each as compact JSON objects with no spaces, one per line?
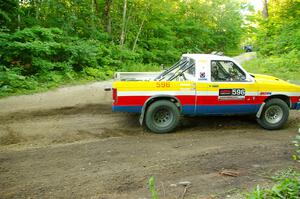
{"x":229,"y":173}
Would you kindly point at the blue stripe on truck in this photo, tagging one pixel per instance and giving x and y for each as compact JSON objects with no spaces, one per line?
{"x":127,"y":109}
{"x":201,"y":110}
{"x":228,"y":109}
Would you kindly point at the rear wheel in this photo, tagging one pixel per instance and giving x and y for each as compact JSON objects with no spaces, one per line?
{"x":274,"y":115}
{"x":162,"y":116}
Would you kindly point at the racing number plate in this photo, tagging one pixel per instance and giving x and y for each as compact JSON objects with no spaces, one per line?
{"x":232,"y":94}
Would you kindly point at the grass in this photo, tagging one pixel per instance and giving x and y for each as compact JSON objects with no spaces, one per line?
{"x":285,"y":67}
{"x":287,"y":186}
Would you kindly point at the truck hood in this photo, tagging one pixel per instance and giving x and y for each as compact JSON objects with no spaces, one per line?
{"x":271,"y":80}
{"x":266,"y":78}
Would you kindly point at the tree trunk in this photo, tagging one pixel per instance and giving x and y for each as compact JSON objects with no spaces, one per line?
{"x":36,"y":8}
{"x":107,"y":16}
{"x":19,"y":20}
{"x":122,"y":38}
{"x":96,"y":4}
{"x":137,"y":35}
{"x":265,"y":12}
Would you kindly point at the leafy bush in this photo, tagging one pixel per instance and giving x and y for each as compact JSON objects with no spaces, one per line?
{"x":139,"y":67}
{"x":37,"y":58}
{"x":280,"y":32}
{"x":39,"y":50}
{"x":287,"y":186}
{"x":283,"y":66}
{"x":12,"y":80}
{"x":296,"y":143}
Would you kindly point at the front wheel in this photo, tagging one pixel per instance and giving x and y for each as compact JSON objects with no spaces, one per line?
{"x":162,"y":116}
{"x":274,"y":115}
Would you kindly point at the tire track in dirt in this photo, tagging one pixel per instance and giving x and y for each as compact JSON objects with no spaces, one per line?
{"x":34,"y":128}
{"x":120,"y":168}
{"x":64,"y":125}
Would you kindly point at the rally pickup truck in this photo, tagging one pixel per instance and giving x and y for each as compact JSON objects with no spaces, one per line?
{"x":200,"y":85}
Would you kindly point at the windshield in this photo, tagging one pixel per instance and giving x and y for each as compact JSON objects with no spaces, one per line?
{"x":184,"y":66}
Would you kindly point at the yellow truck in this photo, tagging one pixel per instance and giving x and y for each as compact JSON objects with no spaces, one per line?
{"x":204,"y":84}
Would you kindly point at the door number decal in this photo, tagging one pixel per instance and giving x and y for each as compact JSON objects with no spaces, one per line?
{"x":232,"y":94}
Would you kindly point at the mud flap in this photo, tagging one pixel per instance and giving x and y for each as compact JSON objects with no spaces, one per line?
{"x":141,"y":119}
{"x":260,"y":110}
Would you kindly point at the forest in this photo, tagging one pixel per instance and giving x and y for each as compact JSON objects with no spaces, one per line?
{"x":48,"y":43}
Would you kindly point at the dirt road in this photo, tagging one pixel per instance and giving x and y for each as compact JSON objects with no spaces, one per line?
{"x":68,"y":144}
{"x":86,"y":151}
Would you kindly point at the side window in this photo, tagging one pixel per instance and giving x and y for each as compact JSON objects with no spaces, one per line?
{"x":226,"y":71}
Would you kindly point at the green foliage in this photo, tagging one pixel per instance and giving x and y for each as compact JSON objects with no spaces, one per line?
{"x":138,"y":67}
{"x":160,"y":30}
{"x":152,"y":188}
{"x":46,"y":43}
{"x":8,"y":13}
{"x":279,"y":33}
{"x":296,"y":143}
{"x":287,"y":186}
{"x":12,"y":80}
{"x":277,"y":39}
{"x":40,"y":57}
{"x":284,"y":66}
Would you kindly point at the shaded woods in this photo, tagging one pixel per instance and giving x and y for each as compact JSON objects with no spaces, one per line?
{"x":277,"y":40}
{"x":46,"y":43}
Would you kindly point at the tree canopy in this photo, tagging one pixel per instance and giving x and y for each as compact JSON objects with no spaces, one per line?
{"x":46,"y":42}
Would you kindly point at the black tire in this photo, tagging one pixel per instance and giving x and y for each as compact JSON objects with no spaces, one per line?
{"x":162,"y":116}
{"x":274,"y":114}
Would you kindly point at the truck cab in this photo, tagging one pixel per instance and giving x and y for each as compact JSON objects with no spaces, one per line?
{"x":204,"y":84}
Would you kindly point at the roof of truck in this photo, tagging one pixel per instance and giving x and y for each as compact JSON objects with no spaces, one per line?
{"x":206,"y":57}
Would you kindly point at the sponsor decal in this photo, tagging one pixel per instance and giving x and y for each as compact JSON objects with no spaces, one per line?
{"x":225,"y":92}
{"x":224,"y":98}
{"x":265,"y":93}
{"x":232,"y":92}
{"x":202,"y":76}
{"x":202,"y":79}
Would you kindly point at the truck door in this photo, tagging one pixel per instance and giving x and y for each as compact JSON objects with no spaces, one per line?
{"x":187,"y":93}
{"x":228,"y":90}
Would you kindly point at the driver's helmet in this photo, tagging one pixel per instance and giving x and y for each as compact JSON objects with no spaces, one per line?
{"x":214,"y":67}
{"x":214,"y":70}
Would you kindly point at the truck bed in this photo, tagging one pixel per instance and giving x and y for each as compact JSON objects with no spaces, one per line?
{"x":135,"y":76}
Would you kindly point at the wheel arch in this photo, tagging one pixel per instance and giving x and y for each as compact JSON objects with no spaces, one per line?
{"x":284,"y":98}
{"x":155,"y":98}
